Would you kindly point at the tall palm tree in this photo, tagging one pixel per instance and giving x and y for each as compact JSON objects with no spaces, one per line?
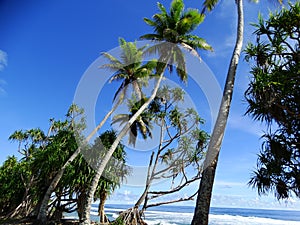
{"x":208,"y":175}
{"x":128,"y":69}
{"x":174,"y":29}
{"x":210,"y":164}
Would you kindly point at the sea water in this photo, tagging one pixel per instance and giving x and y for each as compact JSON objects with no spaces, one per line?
{"x":182,"y":215}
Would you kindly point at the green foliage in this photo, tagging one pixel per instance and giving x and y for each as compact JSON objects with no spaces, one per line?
{"x":273,"y":97}
{"x":129,"y":69}
{"x":181,"y":126}
{"x":209,"y":5}
{"x":174,"y":29}
{"x":12,"y":188}
{"x":175,"y":25}
{"x":118,"y":221}
{"x":24,"y":182}
{"x":142,"y":125}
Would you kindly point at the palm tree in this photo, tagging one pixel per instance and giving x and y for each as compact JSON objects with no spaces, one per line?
{"x":208,"y":175}
{"x":174,"y":29}
{"x":119,"y":172}
{"x":141,"y":125}
{"x":206,"y":184}
{"x":130,"y":70}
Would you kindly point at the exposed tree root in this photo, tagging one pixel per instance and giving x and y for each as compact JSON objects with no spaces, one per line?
{"x":103,"y":219}
{"x":132,"y":216}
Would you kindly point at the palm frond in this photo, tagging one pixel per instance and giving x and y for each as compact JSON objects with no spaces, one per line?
{"x":133,"y":134}
{"x":162,"y":8}
{"x":189,"y":21}
{"x":209,"y":5}
{"x":112,"y":66}
{"x":196,"y":42}
{"x":152,"y":37}
{"x":120,"y":118}
{"x":121,"y":92}
{"x":111,"y":58}
{"x":177,"y":8}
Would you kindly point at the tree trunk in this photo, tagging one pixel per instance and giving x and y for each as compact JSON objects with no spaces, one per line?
{"x":101,"y":213}
{"x":206,"y":184}
{"x":80,"y":204}
{"x":137,"y":90}
{"x":86,"y":219}
{"x":42,"y":212}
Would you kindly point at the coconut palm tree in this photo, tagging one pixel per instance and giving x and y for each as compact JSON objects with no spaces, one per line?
{"x":210,"y":163}
{"x":173,"y":29}
{"x":208,"y":175}
{"x":130,"y":70}
{"x":141,"y":125}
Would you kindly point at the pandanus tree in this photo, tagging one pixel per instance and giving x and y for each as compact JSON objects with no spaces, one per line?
{"x":129,"y":69}
{"x":273,"y":98}
{"x":117,"y":172}
{"x":79,"y":174}
{"x":174,"y":29}
{"x":180,"y":149}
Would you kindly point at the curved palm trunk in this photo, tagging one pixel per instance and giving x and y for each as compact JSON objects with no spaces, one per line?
{"x":86,"y":216}
{"x":42,"y":213}
{"x":205,"y":189}
{"x":137,"y":90}
{"x":101,"y":213}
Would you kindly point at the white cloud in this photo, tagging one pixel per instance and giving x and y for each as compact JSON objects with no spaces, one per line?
{"x":3,"y":60}
{"x":3,"y":64}
{"x":225,"y":184}
{"x":2,"y":91}
{"x":245,"y":124}
{"x":263,"y":202}
{"x":127,"y":197}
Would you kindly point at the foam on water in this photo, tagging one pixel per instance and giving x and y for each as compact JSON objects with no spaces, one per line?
{"x":171,"y":218}
{"x":229,"y":220}
{"x":182,"y":216}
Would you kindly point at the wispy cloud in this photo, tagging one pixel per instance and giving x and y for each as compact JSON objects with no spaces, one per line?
{"x":227,"y":185}
{"x":2,"y":91}
{"x":245,"y":124}
{"x":223,"y":46}
{"x":3,"y":64}
{"x":267,"y":202}
{"x":3,"y":60}
{"x":125,"y":197}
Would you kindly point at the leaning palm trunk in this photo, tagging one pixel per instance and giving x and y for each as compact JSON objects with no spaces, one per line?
{"x":123,"y":132}
{"x":205,"y":189}
{"x":42,"y":213}
{"x":101,"y":213}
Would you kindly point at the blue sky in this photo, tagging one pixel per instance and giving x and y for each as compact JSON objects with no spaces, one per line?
{"x":46,"y":46}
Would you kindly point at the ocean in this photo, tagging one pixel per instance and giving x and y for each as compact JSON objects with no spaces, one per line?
{"x":182,"y":215}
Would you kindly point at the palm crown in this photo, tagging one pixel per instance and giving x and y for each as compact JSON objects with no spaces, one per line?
{"x":141,"y":125}
{"x":130,"y":68}
{"x":175,"y":27}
